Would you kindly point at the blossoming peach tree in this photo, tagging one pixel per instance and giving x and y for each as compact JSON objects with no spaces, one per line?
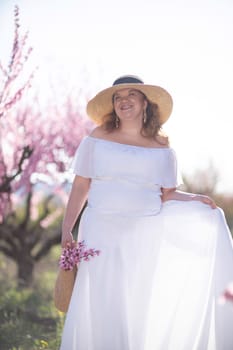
{"x":36,"y":146}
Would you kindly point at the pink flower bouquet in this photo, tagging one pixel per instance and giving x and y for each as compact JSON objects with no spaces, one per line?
{"x":73,"y":254}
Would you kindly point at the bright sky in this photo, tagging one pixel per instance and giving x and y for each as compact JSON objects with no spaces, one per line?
{"x":185,"y":46}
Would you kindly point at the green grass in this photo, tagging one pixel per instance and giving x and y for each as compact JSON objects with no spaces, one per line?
{"x":28,"y":318}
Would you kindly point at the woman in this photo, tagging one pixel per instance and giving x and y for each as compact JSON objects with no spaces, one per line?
{"x":166,"y":255}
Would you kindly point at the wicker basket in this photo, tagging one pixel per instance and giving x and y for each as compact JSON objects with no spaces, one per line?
{"x":63,"y":288}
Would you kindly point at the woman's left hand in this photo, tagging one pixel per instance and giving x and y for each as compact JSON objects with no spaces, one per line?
{"x":205,"y":199}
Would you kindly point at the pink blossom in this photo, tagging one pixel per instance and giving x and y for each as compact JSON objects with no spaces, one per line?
{"x":72,"y":255}
{"x":12,"y":88}
{"x":227,"y":295}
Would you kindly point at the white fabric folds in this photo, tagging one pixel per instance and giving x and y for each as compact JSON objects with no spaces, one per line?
{"x":162,"y":267}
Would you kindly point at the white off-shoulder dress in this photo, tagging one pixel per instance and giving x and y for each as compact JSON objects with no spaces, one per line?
{"x":162,"y":267}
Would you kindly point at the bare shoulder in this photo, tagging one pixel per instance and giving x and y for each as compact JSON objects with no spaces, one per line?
{"x":98,"y":132}
{"x":163,"y":140}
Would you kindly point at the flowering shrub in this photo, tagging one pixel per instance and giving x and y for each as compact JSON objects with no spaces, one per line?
{"x":72,"y":255}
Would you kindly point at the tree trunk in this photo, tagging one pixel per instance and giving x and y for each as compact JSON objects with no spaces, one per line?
{"x":25,"y":271}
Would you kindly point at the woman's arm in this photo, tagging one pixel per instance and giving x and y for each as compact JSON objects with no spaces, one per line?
{"x":174,"y":194}
{"x":77,"y":199}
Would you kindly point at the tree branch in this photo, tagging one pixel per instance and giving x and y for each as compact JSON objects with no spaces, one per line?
{"x":47,"y":245}
{"x":5,"y":187}
{"x":26,"y":218}
{"x":7,"y":252}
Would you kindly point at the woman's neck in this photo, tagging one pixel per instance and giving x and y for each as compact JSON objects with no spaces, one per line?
{"x":129,"y":129}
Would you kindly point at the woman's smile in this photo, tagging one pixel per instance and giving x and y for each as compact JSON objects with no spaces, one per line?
{"x":129,"y":102}
{"x":126,"y":106}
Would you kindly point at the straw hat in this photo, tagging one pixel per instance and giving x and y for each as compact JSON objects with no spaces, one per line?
{"x":102,"y":105}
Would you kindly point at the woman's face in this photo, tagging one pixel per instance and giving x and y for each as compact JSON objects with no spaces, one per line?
{"x":129,"y":104}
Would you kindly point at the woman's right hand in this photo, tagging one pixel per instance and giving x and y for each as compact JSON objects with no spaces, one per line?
{"x":204,"y":199}
{"x":67,"y":239}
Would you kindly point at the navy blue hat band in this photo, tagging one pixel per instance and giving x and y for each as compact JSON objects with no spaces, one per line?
{"x":128,"y":80}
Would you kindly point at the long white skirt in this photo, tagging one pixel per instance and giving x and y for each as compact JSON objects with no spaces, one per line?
{"x":156,"y":283}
